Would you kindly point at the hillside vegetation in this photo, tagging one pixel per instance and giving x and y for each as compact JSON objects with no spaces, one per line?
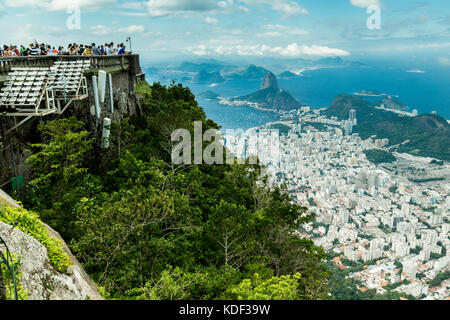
{"x":425,"y":135}
{"x":379,"y":156}
{"x":147,"y":229}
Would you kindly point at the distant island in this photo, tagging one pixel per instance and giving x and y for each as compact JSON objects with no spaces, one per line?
{"x":287,"y":75}
{"x":211,"y":74}
{"x":211,"y":71}
{"x":391,"y":102}
{"x":270,"y":97}
{"x":370,"y":93}
{"x":205,"y":77}
{"x":388,"y":101}
{"x":250,"y":72}
{"x":208,"y":95}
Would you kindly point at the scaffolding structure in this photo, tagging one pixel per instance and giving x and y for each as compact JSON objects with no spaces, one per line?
{"x":38,"y":92}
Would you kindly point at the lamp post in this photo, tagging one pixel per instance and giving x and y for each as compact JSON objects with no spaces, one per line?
{"x":129,"y":40}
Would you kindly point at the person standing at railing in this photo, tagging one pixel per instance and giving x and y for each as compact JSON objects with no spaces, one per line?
{"x":34,"y":50}
{"x":6,"y":51}
{"x":61,"y":51}
{"x":23,"y":51}
{"x":88,"y":51}
{"x":109,"y":49}
{"x":95,"y":50}
{"x":81,"y":50}
{"x":122,"y":49}
{"x":73,"y":50}
{"x":44,"y":50}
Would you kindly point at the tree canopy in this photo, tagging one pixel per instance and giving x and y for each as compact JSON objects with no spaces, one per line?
{"x":145,"y":228}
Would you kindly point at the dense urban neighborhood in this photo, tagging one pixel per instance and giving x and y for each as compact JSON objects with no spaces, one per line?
{"x":383,"y":221}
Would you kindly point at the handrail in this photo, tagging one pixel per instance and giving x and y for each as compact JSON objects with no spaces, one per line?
{"x":97,"y":62}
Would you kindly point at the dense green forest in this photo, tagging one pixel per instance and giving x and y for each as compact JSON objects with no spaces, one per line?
{"x":426,"y":135}
{"x":144,"y":228}
{"x":378,"y":156}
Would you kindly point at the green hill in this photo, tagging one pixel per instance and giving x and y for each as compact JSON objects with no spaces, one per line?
{"x":271,"y":96}
{"x":250,"y":72}
{"x":145,"y":228}
{"x":274,"y":99}
{"x":208,"y":95}
{"x":204,"y":77}
{"x":379,"y":156}
{"x":287,"y":75}
{"x":425,"y":135}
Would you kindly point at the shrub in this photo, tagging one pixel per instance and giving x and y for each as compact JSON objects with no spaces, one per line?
{"x":29,"y":223}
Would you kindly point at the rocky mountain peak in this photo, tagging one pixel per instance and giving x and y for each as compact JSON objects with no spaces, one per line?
{"x":270,"y":82}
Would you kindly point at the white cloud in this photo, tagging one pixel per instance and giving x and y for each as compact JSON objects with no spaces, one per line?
{"x":100,"y":30}
{"x":280,"y":29}
{"x":365,"y":3}
{"x":59,"y":5}
{"x":135,"y":5}
{"x":152,"y":34}
{"x":416,"y":71}
{"x":294,"y":50}
{"x":419,"y":46}
{"x":130,"y":13}
{"x":287,"y":8}
{"x":270,"y":34}
{"x":210,"y":20}
{"x":158,"y":8}
{"x":444,"y":61}
{"x":23,"y":33}
{"x":291,"y":51}
{"x":298,"y":32}
{"x":132,"y":29}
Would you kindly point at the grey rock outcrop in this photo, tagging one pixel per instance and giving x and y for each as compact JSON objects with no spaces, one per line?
{"x":270,"y":82}
{"x":39,"y":277}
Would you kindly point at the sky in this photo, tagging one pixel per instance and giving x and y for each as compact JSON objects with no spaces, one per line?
{"x":280,"y":29}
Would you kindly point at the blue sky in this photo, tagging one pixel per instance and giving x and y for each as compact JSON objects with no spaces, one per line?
{"x":281,"y":29}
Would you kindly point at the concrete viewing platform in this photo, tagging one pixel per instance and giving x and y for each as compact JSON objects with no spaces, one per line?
{"x":113,"y":63}
{"x":38,"y":86}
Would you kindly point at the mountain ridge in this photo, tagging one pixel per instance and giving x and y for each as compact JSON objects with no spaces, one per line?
{"x":270,"y":96}
{"x":423,"y":135}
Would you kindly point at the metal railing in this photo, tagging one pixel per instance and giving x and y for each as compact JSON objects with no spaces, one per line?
{"x":116,"y":62}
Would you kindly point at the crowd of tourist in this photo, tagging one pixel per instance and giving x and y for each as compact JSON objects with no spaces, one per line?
{"x":35,"y":49}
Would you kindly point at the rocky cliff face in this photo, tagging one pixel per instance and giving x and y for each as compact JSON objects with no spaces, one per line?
{"x":39,"y":277}
{"x":269,"y":82}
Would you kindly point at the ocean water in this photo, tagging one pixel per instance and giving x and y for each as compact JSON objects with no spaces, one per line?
{"x":236,"y":117}
{"x":426,"y":92}
{"x":229,"y":117}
